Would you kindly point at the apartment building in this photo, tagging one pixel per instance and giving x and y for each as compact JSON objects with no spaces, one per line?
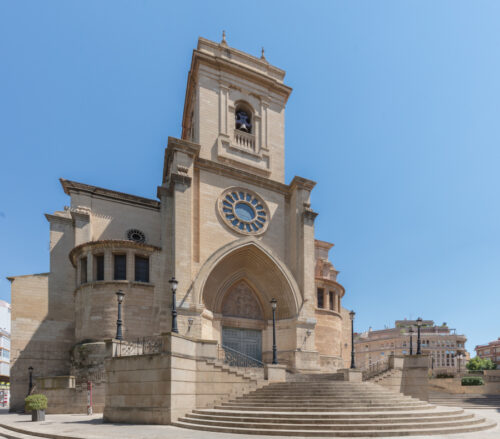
{"x":490,"y":350}
{"x":446,"y":348}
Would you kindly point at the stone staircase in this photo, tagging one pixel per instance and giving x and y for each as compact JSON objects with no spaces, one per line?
{"x":470,"y":401}
{"x":383,"y":376}
{"x":318,"y":406}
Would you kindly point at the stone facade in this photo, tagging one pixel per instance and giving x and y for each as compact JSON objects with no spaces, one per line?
{"x":440,"y":344}
{"x":490,"y":350}
{"x":225,"y":225}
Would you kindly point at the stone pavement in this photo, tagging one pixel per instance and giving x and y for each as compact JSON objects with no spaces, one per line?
{"x":92,"y":427}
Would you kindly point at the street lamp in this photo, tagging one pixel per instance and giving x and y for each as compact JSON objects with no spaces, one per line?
{"x":411,"y":331}
{"x":419,"y":324}
{"x":173,"y":284}
{"x":274,"y":304}
{"x":30,"y":386}
{"x":459,"y":360}
{"x":119,"y":296}
{"x":352,"y":314}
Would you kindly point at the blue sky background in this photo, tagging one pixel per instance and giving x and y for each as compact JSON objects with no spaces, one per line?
{"x":395,"y":113}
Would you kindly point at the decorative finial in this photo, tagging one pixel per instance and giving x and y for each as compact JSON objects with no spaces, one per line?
{"x":224,"y":38}
{"x":263,"y":56}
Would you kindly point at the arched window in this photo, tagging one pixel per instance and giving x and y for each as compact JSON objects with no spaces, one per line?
{"x":243,"y":118}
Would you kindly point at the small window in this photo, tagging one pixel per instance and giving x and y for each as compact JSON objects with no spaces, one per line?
{"x":120,"y":267}
{"x":321,"y":294}
{"x":141,"y":269}
{"x":83,"y":270}
{"x":99,"y":267}
{"x":330,"y":297}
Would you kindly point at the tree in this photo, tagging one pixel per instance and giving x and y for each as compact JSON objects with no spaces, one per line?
{"x":478,"y":363}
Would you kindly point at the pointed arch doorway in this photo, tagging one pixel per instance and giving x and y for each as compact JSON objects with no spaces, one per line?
{"x":242,"y":320}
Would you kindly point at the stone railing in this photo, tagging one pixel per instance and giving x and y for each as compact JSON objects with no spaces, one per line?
{"x":244,"y":140}
{"x":376,"y":368}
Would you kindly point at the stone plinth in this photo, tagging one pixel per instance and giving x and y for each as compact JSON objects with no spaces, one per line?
{"x":355,"y":375}
{"x":275,"y":372}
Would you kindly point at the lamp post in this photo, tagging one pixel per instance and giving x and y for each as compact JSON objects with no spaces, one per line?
{"x":411,"y":331}
{"x":352,"y":314}
{"x":173,"y":284}
{"x":459,"y":360}
{"x":119,"y":296}
{"x":30,"y":386}
{"x":274,"y":304}
{"x":419,"y":324}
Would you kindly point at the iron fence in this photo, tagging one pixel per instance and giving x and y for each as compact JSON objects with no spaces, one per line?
{"x":142,"y":346}
{"x":235,"y":358}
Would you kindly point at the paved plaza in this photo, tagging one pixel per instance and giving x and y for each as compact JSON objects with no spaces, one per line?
{"x":92,"y":427}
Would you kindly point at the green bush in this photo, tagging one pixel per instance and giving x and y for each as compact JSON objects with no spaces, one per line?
{"x":445,"y":375}
{"x":472,"y":381}
{"x":478,"y":363}
{"x":36,"y":402}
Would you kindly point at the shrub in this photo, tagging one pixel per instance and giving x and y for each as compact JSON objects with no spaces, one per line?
{"x":36,"y":402}
{"x":472,"y":381}
{"x":478,"y":363}
{"x":445,"y":375}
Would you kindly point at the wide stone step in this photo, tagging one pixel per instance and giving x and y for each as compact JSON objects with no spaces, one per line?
{"x":301,"y":419}
{"x":441,"y":411}
{"x":412,"y":425}
{"x":326,"y":398}
{"x":394,"y":408}
{"x":331,"y":409}
{"x":323,"y":403}
{"x":380,"y":432}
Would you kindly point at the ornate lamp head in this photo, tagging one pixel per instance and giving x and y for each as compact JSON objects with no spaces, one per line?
{"x":120,"y":295}
{"x":173,"y":283}
{"x":274,"y":303}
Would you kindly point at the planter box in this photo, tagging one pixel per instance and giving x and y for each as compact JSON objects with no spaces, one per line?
{"x":37,"y":415}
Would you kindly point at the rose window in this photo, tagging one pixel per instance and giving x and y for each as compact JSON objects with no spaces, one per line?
{"x":244,"y":211}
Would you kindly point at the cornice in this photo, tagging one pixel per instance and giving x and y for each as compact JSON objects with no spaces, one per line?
{"x":119,"y":283}
{"x":12,"y":278}
{"x":75,"y":187}
{"x":244,"y":176}
{"x":190,"y":148}
{"x":110,"y":243}
{"x":327,"y":312}
{"x":241,"y":71}
{"x":323,"y":244}
{"x":60,"y":219}
{"x":261,"y":62}
{"x":302,"y":183}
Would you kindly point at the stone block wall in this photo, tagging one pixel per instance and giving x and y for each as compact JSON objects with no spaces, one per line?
{"x":160,"y":388}
{"x":409,"y":375}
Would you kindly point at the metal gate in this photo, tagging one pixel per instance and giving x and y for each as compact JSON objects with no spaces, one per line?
{"x":246,"y":341}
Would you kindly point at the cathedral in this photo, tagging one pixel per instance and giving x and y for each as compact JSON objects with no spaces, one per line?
{"x":224,"y":224}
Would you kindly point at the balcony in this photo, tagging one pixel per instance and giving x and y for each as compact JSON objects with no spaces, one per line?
{"x":244,"y":141}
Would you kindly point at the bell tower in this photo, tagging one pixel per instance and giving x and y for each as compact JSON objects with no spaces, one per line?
{"x":235,"y":109}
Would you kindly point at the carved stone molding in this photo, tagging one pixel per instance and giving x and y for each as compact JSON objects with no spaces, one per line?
{"x":240,"y":301}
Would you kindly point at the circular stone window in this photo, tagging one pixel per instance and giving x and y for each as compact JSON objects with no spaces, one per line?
{"x":136,"y":235}
{"x":243,"y":211}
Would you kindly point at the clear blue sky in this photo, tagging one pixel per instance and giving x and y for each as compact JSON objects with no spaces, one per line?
{"x":395,"y":113}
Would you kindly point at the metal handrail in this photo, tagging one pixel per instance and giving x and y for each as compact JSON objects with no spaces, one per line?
{"x":233,"y":357}
{"x":142,"y":346}
{"x":376,"y":368}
